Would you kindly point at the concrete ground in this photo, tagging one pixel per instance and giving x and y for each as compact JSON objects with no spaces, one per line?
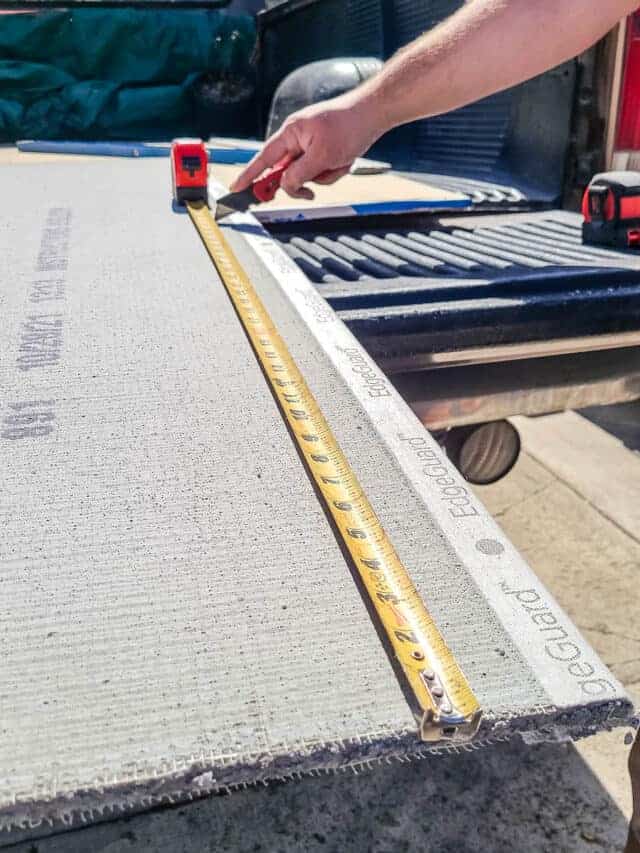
{"x":572,"y":506}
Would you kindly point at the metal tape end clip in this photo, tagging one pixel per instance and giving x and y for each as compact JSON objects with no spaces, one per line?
{"x":454,"y":727}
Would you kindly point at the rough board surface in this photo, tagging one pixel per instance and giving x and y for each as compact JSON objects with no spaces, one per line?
{"x":176,"y":616}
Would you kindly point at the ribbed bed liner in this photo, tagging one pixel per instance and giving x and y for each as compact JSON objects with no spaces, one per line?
{"x":487,"y":193}
{"x":176,"y":615}
{"x":455,"y":282}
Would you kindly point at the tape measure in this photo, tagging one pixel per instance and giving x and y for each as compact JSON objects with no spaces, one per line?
{"x":446,"y":706}
{"x":189,"y":166}
{"x":611,"y":210}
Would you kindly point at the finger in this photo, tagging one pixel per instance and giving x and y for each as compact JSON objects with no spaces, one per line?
{"x":303,"y":192}
{"x":273,"y":151}
{"x":304,"y":169}
{"x":330,"y":176}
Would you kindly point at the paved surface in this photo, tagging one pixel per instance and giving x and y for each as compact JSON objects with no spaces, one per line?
{"x":574,"y":529}
{"x":544,"y":799}
{"x":507,"y":799}
{"x":620,"y":421}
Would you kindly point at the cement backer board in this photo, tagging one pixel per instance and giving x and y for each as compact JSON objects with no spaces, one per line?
{"x":340,"y":197}
{"x":175,"y":614}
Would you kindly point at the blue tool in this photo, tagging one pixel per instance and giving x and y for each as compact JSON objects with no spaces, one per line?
{"x":98,"y":149}
{"x":128,"y":149}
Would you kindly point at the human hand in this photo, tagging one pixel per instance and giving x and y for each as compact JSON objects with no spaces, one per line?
{"x":323,"y":140}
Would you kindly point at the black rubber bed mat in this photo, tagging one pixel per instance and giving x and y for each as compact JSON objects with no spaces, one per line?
{"x":450,"y":283}
{"x":490,"y":193}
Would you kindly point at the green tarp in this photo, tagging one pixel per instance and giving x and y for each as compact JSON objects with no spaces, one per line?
{"x":123,"y":73}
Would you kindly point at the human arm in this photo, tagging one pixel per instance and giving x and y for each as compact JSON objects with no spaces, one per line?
{"x":487,"y":46}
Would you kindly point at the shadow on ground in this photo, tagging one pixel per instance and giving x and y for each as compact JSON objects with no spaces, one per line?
{"x":506,"y":798}
{"x":622,"y":420}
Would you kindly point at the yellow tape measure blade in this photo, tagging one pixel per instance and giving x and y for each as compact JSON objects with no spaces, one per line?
{"x":448,"y":708}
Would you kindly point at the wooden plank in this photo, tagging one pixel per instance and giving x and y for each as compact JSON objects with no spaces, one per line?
{"x":349,"y":194}
{"x":616,"y":46}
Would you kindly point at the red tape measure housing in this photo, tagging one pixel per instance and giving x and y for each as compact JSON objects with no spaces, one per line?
{"x":611,"y":210}
{"x":598,"y":203}
{"x":189,"y":164}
